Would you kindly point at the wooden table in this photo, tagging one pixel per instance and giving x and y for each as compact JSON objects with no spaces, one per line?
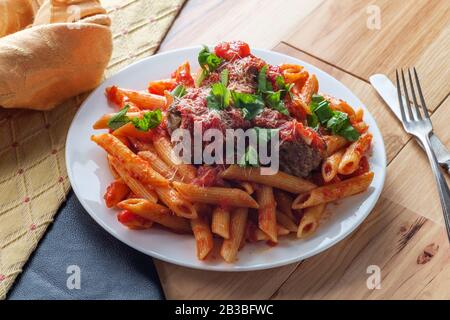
{"x":342,"y":38}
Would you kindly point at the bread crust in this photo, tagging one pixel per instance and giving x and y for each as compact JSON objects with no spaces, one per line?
{"x":45,"y":65}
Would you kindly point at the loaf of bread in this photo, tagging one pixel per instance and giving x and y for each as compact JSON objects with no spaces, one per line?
{"x":45,"y":65}
{"x":53,"y":60}
{"x":54,"y":11}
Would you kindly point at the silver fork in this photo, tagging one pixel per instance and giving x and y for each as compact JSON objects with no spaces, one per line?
{"x":421,"y":127}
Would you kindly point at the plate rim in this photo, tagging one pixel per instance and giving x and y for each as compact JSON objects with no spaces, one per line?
{"x":227,"y":267}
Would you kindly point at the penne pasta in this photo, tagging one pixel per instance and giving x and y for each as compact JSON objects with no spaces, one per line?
{"x":179,"y":205}
{"x":333,"y":192}
{"x":334,"y":143}
{"x":142,"y":99}
{"x":102,"y":123}
{"x":216,"y":195}
{"x":129,"y":130}
{"x":138,"y":167}
{"x":267,"y":219}
{"x":116,"y":192}
{"x":310,"y":220}
{"x":136,"y":186}
{"x":310,"y":87}
{"x":279,"y":180}
{"x":284,"y":202}
{"x":156,"y":213}
{"x":255,"y":234}
{"x":158,"y":165}
{"x":160,"y":86}
{"x":203,"y":236}
{"x":330,"y":165}
{"x":230,"y":246}
{"x":220,"y":224}
{"x":286,"y":222}
{"x":353,"y":154}
{"x":247,"y":187}
{"x":164,"y":150}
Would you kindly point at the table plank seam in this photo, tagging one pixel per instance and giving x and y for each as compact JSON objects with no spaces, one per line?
{"x":324,"y":61}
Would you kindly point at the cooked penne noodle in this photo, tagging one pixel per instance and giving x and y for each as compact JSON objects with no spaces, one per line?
{"x":267,"y":218}
{"x":333,"y":192}
{"x":142,"y":145}
{"x":116,"y":192}
{"x":255,"y":234}
{"x":359,"y":115}
{"x":160,"y":86}
{"x":334,"y":143}
{"x":220,"y":224}
{"x":203,"y":236}
{"x":286,"y":222}
{"x":361,"y":127}
{"x":247,"y":187}
{"x":164,"y":150}
{"x":102,"y":123}
{"x":353,"y":154}
{"x":310,"y":220}
{"x":142,"y":99}
{"x":279,"y":180}
{"x":112,"y":169}
{"x":138,"y":167}
{"x":311,"y":87}
{"x":179,"y":205}
{"x":216,"y":195}
{"x":238,"y":223}
{"x":158,"y":165}
{"x":284,"y":202}
{"x":340,"y":105}
{"x":129,"y":130}
{"x":330,"y":165}
{"x":156,"y":213}
{"x":136,"y":186}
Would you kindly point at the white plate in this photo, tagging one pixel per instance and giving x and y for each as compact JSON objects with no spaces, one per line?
{"x":89,"y":175}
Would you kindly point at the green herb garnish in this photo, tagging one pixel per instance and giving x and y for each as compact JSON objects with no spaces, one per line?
{"x":149,"y":120}
{"x":119,"y":119}
{"x":179,"y":91}
{"x":219,"y":97}
{"x":335,"y":121}
{"x":250,"y":104}
{"x":265,"y":89}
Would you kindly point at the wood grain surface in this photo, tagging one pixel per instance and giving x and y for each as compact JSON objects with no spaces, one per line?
{"x":407,"y":219}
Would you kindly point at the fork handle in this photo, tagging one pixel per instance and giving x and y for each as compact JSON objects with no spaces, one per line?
{"x":444,"y":192}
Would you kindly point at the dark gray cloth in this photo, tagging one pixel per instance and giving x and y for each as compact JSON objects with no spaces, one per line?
{"x":108,"y":268}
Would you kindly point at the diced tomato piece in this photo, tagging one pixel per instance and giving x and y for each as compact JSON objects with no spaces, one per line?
{"x":133,"y":221}
{"x":116,"y":192}
{"x":183,"y":75}
{"x":232,"y":50}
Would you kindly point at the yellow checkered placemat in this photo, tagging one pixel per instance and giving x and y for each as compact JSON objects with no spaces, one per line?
{"x":33,"y":178}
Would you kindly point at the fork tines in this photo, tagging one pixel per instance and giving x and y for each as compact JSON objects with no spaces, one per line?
{"x":411,"y":115}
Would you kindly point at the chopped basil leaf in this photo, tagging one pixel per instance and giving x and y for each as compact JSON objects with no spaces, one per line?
{"x":150,"y":120}
{"x":335,"y":121}
{"x":179,"y":91}
{"x":317,"y":98}
{"x":219,"y":97}
{"x":224,"y":77}
{"x":313,"y":121}
{"x":323,"y":111}
{"x":119,"y":119}
{"x":262,"y":80}
{"x":279,"y":81}
{"x":250,"y":104}
{"x":338,"y":121}
{"x":349,"y":133}
{"x":274,"y":100}
{"x":207,"y":60}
